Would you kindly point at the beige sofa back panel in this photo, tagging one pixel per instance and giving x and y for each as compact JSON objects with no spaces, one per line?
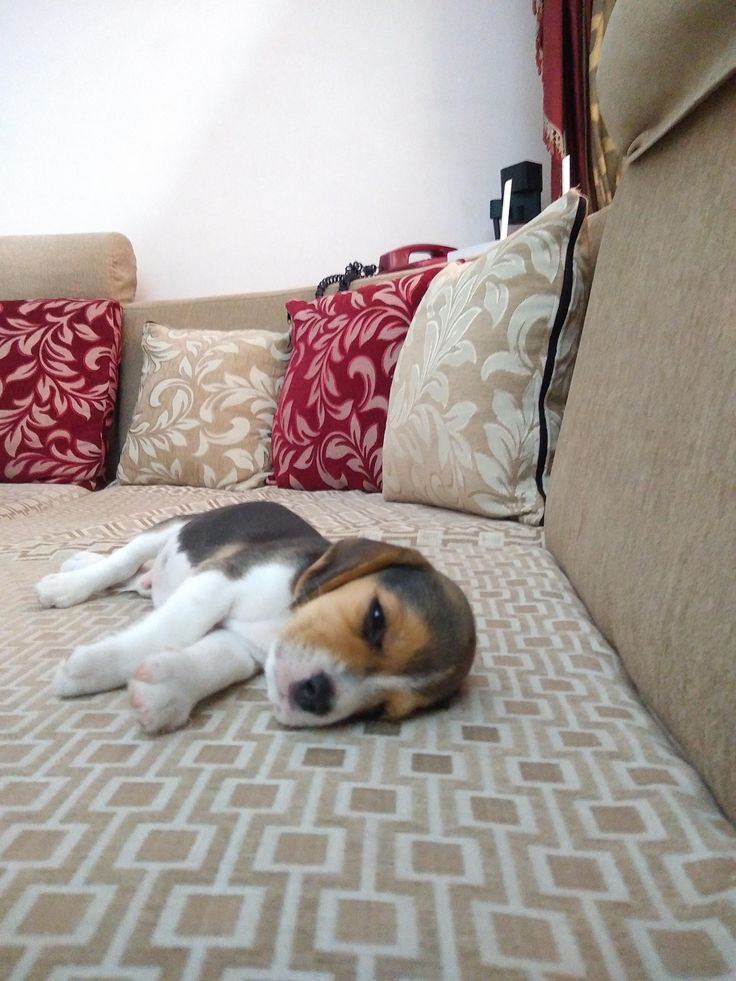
{"x":261,"y":310}
{"x":677,"y":51}
{"x":641,"y":513}
{"x":86,"y":266}
{"x":594,"y":225}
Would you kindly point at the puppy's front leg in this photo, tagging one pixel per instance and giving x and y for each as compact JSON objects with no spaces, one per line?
{"x":200,"y":603}
{"x":168,"y":685}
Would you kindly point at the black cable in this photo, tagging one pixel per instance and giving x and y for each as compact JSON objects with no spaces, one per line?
{"x":353,"y":271}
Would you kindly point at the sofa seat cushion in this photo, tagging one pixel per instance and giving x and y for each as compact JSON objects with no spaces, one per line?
{"x":541,"y":824}
{"x":26,"y":500}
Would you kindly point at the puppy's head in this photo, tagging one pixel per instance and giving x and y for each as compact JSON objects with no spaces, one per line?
{"x":374,"y":627}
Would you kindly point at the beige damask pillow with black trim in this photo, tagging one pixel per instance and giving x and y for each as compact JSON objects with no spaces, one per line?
{"x":205,"y":407}
{"x":482,"y":379}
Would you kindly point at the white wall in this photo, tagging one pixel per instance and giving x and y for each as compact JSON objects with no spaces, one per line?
{"x":247,"y":145}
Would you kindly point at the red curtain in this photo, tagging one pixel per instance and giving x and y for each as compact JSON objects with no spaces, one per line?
{"x":563,"y":42}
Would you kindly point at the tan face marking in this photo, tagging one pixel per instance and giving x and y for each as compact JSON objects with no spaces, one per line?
{"x":334,"y":622}
{"x":372,"y":625}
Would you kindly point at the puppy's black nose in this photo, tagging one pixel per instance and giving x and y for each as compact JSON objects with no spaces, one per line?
{"x":314,"y":694}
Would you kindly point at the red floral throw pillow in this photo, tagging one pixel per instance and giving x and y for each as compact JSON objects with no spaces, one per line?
{"x":331,"y":416}
{"x":58,"y":385}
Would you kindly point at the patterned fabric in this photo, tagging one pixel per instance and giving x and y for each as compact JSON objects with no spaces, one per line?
{"x":205,"y":407}
{"x":541,"y":825}
{"x":21,"y":500}
{"x":57,"y":389}
{"x":562,"y":48}
{"x":482,"y":379}
{"x":329,"y":425}
{"x":604,"y":154}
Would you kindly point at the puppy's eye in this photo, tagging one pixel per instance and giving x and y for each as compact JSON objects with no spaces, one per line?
{"x":374,"y":625}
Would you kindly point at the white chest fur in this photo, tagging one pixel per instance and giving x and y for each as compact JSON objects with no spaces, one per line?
{"x":260,"y":608}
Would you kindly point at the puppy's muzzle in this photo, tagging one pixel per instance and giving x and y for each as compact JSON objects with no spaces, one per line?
{"x":315,"y":694}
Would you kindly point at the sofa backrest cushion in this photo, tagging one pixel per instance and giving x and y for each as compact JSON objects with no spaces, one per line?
{"x":86,"y":266}
{"x":641,"y":511}
{"x":659,"y":61}
{"x":330,"y":422}
{"x":262,"y":311}
{"x":204,"y":412}
{"x":481,"y":382}
{"x":58,"y":382}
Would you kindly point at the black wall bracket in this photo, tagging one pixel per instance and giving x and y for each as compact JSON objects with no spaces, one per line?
{"x":526,"y":194}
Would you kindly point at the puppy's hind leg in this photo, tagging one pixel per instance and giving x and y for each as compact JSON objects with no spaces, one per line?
{"x":80,"y":579}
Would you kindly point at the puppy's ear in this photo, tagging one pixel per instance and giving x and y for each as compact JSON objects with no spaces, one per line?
{"x":403,"y":702}
{"x":350,"y":559}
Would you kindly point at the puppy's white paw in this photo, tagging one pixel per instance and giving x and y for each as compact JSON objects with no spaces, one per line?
{"x":80,"y":560}
{"x":65,"y":684}
{"x":159,"y":693}
{"x":59,"y":590}
{"x":88,"y":670}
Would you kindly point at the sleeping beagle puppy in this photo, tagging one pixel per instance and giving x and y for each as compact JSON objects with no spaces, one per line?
{"x":339,"y":629}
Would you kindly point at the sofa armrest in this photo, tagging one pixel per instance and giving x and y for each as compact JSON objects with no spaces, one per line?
{"x":87,"y":266}
{"x":241,"y":311}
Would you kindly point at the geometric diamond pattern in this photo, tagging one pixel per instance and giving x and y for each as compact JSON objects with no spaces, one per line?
{"x":539,"y":826}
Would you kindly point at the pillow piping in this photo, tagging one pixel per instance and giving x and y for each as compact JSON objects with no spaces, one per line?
{"x":561,"y":314}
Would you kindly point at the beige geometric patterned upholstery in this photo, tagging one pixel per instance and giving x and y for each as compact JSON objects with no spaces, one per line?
{"x":539,"y":826}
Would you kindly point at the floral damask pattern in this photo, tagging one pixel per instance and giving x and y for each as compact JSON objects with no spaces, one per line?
{"x":482,"y":379}
{"x":329,"y":425}
{"x":58,"y":386}
{"x":205,"y":407}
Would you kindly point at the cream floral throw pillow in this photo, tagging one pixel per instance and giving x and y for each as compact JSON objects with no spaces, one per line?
{"x":481,"y":381}
{"x":205,"y":407}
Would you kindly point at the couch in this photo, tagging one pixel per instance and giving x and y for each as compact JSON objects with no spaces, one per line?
{"x":571,"y":812}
